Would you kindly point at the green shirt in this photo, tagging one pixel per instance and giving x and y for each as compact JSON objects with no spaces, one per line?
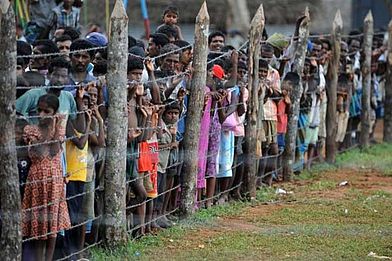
{"x":28,"y":102}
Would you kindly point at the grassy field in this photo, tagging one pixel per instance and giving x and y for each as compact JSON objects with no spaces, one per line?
{"x":316,"y":220}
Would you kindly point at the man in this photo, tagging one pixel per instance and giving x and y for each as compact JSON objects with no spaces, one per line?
{"x":216,"y":41}
{"x":155,"y":43}
{"x":80,"y":60}
{"x":58,"y":77}
{"x":64,"y":44}
{"x":186,"y":54}
{"x":40,"y":64}
{"x":64,"y":15}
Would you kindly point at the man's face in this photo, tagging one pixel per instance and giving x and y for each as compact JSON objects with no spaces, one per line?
{"x":170,"y":63}
{"x":170,"y":18}
{"x":217,"y":43}
{"x":64,"y":48}
{"x":80,"y":61}
{"x":343,"y":50}
{"x":59,"y":76}
{"x":316,"y":51}
{"x":263,"y":73}
{"x":153,"y":49}
{"x":186,"y":57}
{"x":39,"y":62}
{"x":354,"y":46}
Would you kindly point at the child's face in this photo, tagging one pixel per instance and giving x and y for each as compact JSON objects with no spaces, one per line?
{"x":135,"y":75}
{"x":170,"y":18}
{"x":263,"y":73}
{"x":44,"y":111}
{"x":93,"y":92}
{"x":171,"y":116}
{"x":86,"y":102}
{"x":287,"y":86}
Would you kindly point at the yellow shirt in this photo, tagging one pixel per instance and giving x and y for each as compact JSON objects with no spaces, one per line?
{"x":76,"y":161}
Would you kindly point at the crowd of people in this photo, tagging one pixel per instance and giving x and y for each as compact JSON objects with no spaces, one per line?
{"x":62,"y":103}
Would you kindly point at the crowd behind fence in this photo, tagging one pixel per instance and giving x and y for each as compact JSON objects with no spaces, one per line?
{"x":63,"y":118}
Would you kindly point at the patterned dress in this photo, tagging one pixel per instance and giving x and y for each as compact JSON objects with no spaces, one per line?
{"x":44,"y":208}
{"x":213,"y":146}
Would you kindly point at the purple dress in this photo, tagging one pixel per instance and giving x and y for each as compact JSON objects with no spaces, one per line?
{"x":203,"y":144}
{"x":213,"y":146}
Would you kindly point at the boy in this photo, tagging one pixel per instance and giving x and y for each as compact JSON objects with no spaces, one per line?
{"x":170,"y":18}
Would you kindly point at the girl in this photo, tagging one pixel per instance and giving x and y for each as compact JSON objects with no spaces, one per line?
{"x":44,"y":209}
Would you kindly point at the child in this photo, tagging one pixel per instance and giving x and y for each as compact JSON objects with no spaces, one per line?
{"x":77,"y":160}
{"x":168,"y":156}
{"x":45,"y":182}
{"x":170,"y":17}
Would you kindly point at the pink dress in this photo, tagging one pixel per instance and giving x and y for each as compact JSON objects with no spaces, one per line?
{"x":203,"y":144}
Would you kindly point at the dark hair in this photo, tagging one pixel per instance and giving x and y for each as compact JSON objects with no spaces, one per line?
{"x":82,"y":44}
{"x":51,"y":100}
{"x":131,"y":41}
{"x":215,"y":34}
{"x":317,"y":41}
{"x":227,"y":48}
{"x":103,"y":52}
{"x":172,"y":105}
{"x":137,"y":50}
{"x":242,"y":65}
{"x":100,"y":68}
{"x":134,"y":63}
{"x":183,"y":44}
{"x":140,"y":43}
{"x":171,"y":9}
{"x":263,"y":64}
{"x":72,"y":32}
{"x":169,"y":48}
{"x":63,"y":38}
{"x":48,"y":46}
{"x":160,"y":39}
{"x":292,"y":77}
{"x":267,"y":47}
{"x":23,"y":48}
{"x":158,"y":75}
{"x":58,"y":62}
{"x":326,"y":41}
{"x":168,"y":30}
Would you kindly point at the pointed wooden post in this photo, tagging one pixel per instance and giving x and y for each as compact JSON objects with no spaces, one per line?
{"x":10,"y":214}
{"x":388,"y":91}
{"x":332,"y":80}
{"x":366,"y":80}
{"x":192,"y":130}
{"x":114,"y":216}
{"x":255,"y":34}
{"x":292,"y":125}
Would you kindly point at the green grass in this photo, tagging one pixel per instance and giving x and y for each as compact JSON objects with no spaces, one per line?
{"x":308,"y":226}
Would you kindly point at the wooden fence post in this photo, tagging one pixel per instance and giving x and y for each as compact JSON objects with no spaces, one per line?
{"x":11,"y":236}
{"x":192,"y":130}
{"x":292,"y":125}
{"x":114,"y":216}
{"x":255,"y":36}
{"x":366,"y":80}
{"x":388,"y":91}
{"x":333,"y":73}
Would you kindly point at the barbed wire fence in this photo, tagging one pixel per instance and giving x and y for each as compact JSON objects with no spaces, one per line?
{"x":122,"y":182}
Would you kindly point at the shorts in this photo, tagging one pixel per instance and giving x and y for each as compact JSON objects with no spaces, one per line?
{"x":172,"y":164}
{"x":148,"y":167}
{"x":270,"y":132}
{"x":281,"y":141}
{"x":311,"y":135}
{"x":75,"y":203}
{"x":88,"y":200}
{"x":131,"y":166}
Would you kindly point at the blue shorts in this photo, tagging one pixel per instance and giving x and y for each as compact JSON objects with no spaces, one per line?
{"x":281,"y":141}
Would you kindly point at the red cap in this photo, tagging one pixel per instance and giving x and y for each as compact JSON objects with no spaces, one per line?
{"x":218,"y":72}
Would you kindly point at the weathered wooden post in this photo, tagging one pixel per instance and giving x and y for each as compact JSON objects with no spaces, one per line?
{"x":292,"y":125}
{"x":192,"y":130}
{"x":114,"y":216}
{"x":10,"y":214}
{"x":366,"y":80}
{"x":332,"y":86}
{"x":255,"y":34}
{"x":388,"y":92}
